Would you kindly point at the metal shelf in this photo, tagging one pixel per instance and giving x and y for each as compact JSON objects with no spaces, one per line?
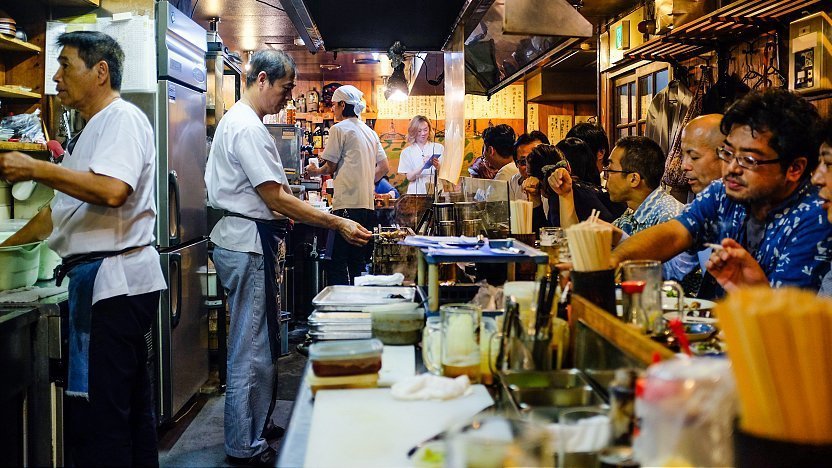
{"x":728,"y":24}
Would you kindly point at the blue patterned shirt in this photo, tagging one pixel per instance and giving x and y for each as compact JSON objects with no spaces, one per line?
{"x":795,"y":246}
{"x":657,"y":208}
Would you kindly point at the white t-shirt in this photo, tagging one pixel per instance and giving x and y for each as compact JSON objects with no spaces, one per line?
{"x":515,"y":189}
{"x":117,"y":142}
{"x":412,"y":158}
{"x":243,"y":156}
{"x":507,"y":172}
{"x":355,"y":149}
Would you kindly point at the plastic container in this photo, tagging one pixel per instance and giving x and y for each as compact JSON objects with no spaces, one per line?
{"x":208,"y":280}
{"x":19,"y":264}
{"x":48,"y":261}
{"x":336,"y":383}
{"x":397,"y":324}
{"x":339,"y":358}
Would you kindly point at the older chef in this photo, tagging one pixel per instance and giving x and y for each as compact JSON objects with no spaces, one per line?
{"x":245,"y":178}
{"x":355,"y":157}
{"x":102,"y":223}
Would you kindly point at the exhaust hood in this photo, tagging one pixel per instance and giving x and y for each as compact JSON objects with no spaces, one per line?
{"x":507,"y":39}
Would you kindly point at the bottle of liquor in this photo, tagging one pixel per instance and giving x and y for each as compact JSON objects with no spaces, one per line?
{"x":312,"y":100}
{"x":326,"y":136}
{"x":290,"y":112}
{"x":302,"y":104}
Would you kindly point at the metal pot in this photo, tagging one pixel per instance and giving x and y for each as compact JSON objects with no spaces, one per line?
{"x":444,"y":212}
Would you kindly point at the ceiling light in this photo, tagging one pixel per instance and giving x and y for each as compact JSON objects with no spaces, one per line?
{"x":396,"y":89}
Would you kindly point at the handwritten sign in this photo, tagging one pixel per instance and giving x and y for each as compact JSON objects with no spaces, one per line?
{"x":559,"y":126}
{"x":506,"y":104}
{"x":532,"y":116}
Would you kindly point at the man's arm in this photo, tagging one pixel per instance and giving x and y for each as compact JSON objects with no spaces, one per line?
{"x":660,"y":242}
{"x":86,"y":186}
{"x":733,"y":267}
{"x":37,"y":229}
{"x":328,"y":167}
{"x":286,"y":204}
{"x":382,"y":167}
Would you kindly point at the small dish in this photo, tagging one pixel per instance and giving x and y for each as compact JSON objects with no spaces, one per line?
{"x":691,"y":304}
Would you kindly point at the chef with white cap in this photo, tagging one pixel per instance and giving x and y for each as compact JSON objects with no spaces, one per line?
{"x":356,"y":159}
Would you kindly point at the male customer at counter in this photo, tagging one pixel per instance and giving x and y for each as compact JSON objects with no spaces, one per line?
{"x":102,"y":223}
{"x":734,"y":267}
{"x":765,"y":201}
{"x":245,"y":178}
{"x":700,"y":139}
{"x":594,"y":136}
{"x":498,"y":150}
{"x":355,"y":157}
{"x":522,"y":147}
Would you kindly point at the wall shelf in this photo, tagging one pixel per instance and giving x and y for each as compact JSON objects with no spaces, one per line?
{"x":17,"y":146}
{"x":14,"y":93}
{"x":727,"y":25}
{"x":16,"y":45}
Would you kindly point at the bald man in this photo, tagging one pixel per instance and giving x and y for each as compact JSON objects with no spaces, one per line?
{"x":700,"y":139}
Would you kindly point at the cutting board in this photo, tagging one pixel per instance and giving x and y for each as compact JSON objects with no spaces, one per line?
{"x":369,"y":428}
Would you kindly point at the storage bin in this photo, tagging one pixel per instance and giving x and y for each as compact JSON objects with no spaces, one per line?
{"x":340,"y":358}
{"x":19,"y":265}
{"x":48,"y":261}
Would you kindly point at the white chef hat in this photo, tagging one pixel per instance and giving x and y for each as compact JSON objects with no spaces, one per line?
{"x":350,"y":95}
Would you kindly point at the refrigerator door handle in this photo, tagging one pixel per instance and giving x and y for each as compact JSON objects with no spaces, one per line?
{"x":175,"y":289}
{"x":174,"y":213}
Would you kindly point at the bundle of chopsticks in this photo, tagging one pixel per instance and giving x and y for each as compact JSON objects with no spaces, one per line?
{"x":780,"y":345}
{"x":521,"y":216}
{"x":590,"y":243}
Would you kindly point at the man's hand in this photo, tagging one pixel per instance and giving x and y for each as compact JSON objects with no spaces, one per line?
{"x":17,"y":167}
{"x":531,"y":187}
{"x":312,"y":170}
{"x":561,"y":182}
{"x":353,"y":232}
{"x":733,"y":267}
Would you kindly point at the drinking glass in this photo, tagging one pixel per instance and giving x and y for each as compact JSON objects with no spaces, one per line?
{"x":459,"y":332}
{"x":582,"y":434}
{"x":494,"y":441}
{"x":650,"y":271}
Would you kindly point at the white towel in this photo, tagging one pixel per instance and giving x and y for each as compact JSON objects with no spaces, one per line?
{"x":395,"y":279}
{"x":431,"y":387}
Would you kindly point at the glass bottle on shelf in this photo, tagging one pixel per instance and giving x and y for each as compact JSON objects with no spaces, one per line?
{"x":325,"y":136}
{"x":301,"y":104}
{"x":290,"y":112}
{"x":312,"y":100}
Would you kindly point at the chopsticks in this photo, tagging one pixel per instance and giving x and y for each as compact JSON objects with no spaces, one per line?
{"x":590,"y":243}
{"x":521,"y":216}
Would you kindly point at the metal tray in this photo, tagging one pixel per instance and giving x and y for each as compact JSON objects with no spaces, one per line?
{"x":355,"y":298}
{"x":339,"y":317}
{"x":318,"y":336}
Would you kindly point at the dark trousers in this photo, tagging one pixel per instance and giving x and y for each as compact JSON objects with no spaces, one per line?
{"x":116,"y":427}
{"x":346,"y":260}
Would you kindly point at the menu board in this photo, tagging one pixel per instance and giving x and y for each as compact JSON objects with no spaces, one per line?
{"x":532,"y":118}
{"x":506,"y":104}
{"x":559,"y":126}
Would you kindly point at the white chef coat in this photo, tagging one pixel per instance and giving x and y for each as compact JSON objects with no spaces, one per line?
{"x":117,"y":142}
{"x":515,"y":188}
{"x":243,"y":156}
{"x":355,"y":149}
{"x":412,"y":158}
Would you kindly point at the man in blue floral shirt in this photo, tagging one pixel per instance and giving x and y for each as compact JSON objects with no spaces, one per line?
{"x":765,"y":201}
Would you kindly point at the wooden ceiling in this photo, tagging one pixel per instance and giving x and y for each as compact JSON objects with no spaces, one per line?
{"x":254,"y":24}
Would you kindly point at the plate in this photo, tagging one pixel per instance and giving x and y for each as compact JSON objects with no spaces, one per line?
{"x":674,"y":315}
{"x":691,"y":303}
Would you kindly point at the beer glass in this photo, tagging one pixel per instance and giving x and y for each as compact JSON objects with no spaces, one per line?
{"x":460,"y":336}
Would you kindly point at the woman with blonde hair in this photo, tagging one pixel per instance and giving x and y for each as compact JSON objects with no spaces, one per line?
{"x":421,"y":158}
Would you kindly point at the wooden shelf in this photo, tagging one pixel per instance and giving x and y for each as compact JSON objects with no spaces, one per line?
{"x":729,"y":24}
{"x":17,"y":146}
{"x":16,"y":45}
{"x":13,"y":93}
{"x":74,"y":3}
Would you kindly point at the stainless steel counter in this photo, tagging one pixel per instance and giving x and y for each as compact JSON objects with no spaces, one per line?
{"x":293,"y":447}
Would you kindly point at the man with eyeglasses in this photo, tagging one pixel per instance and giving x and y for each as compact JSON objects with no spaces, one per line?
{"x":765,"y":201}
{"x":522,"y":147}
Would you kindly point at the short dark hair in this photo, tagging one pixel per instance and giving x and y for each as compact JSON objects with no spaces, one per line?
{"x":275,"y":63}
{"x":93,"y":47}
{"x":644,"y":157}
{"x":349,"y":110}
{"x":793,"y":122}
{"x":594,"y":136}
{"x":528,"y":138}
{"x":581,"y":159}
{"x":501,"y":138}
{"x":540,"y":157}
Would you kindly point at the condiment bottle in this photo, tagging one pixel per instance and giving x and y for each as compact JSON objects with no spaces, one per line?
{"x":633,"y":311}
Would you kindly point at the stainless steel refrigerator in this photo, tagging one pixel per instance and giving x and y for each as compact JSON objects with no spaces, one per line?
{"x":182,"y":328}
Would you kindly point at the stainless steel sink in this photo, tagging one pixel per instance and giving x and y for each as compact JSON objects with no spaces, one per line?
{"x":546,"y":394}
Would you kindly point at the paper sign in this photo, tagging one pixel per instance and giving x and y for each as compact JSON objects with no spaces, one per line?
{"x":532,"y":118}
{"x":559,"y":126}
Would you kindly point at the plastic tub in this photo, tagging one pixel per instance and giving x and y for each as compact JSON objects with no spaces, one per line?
{"x":354,"y":357}
{"x":397,"y":324}
{"x":19,"y":264}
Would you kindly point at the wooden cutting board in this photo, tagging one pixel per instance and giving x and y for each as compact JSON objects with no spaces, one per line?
{"x":369,"y":428}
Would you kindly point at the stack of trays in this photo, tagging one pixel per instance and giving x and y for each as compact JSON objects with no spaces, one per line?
{"x":344,"y":364}
{"x":339,"y":310}
{"x":325,"y":326}
{"x":8,"y":26}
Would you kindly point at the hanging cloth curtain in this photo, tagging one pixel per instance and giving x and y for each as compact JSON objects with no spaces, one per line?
{"x":674,"y":175}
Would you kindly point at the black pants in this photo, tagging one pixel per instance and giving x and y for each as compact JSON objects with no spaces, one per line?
{"x":346,"y":260}
{"x":116,"y":427}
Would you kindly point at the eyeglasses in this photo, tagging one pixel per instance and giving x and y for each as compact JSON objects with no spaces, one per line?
{"x":605,"y":172}
{"x":746,"y":162}
{"x":521,"y":162}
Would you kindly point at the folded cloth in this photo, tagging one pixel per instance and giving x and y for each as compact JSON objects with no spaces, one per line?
{"x":431,"y":387}
{"x":30,"y":294}
{"x":587,"y":435}
{"x":395,"y":279}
